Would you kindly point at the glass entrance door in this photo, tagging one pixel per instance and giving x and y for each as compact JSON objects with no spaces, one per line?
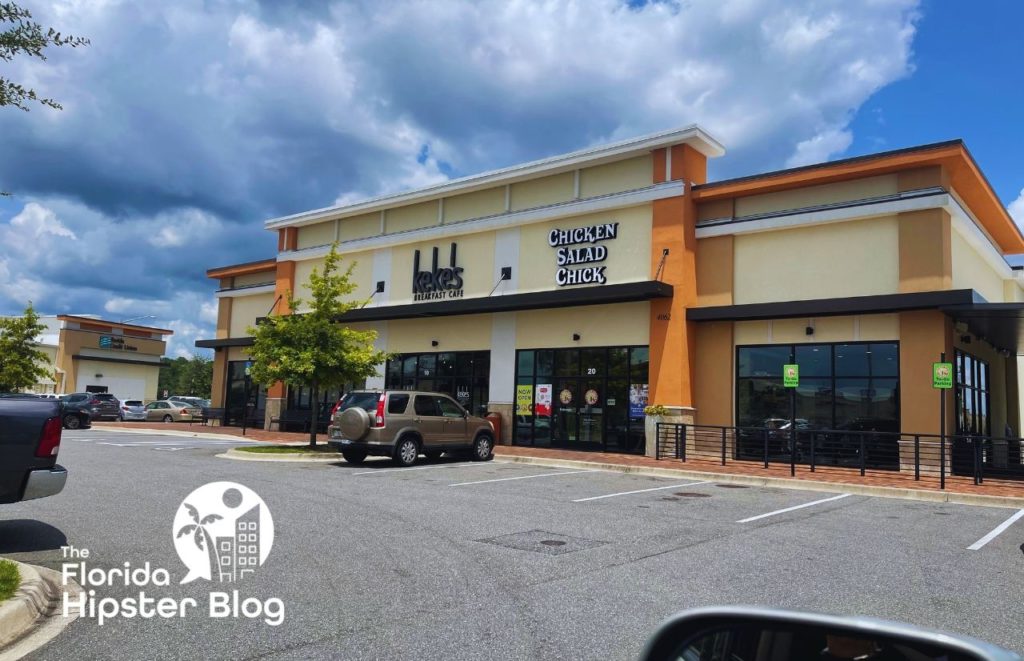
{"x":591,"y":414}
{"x":566,"y":413}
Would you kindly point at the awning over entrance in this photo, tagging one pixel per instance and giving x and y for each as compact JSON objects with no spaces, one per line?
{"x":999,"y":324}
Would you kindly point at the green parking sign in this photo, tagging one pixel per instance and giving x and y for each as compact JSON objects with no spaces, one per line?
{"x":790,"y":376}
{"x":942,"y":375}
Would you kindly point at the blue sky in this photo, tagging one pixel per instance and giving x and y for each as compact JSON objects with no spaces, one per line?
{"x":188,"y":124}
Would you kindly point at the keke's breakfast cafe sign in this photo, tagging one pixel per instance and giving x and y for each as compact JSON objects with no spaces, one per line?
{"x":581,"y":245}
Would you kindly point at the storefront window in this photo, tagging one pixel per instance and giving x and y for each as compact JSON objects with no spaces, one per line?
{"x":589,"y":398}
{"x":464,"y":375}
{"x":851,"y":385}
{"x":972,"y":395}
{"x":244,"y":398}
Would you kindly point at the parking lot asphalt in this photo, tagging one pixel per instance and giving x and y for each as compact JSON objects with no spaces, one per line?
{"x":481,"y":560}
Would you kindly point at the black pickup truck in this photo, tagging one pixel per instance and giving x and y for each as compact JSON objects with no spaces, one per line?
{"x":30,"y":430}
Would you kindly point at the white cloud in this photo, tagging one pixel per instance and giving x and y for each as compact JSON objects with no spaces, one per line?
{"x":1016,"y":209}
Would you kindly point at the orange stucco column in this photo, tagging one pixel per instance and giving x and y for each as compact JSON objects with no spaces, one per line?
{"x":924,"y":335}
{"x":673,"y":347}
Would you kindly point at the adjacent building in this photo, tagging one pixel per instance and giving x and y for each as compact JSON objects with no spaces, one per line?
{"x":568,"y":293}
{"x":88,"y":354}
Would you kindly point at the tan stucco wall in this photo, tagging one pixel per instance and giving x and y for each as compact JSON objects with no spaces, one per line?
{"x":844,"y":191}
{"x":359,"y":227}
{"x":413,"y":216}
{"x":478,"y":204}
{"x":475,"y":254}
{"x":321,"y":234}
{"x":238,"y":353}
{"x":362,"y":275}
{"x":926,"y":334}
{"x":856,"y":258}
{"x":629,"y":255}
{"x":459,"y":333}
{"x":597,"y":326}
{"x":541,"y":192}
{"x":926,"y":262}
{"x":714,"y":370}
{"x":630,"y":174}
{"x":715,"y":270}
{"x":971,"y":271}
{"x":880,"y":327}
{"x":245,"y":310}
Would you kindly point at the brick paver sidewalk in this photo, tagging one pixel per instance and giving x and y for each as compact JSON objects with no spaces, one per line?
{"x":825,"y":474}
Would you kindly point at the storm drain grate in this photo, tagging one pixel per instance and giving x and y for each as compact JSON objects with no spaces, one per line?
{"x":541,"y":541}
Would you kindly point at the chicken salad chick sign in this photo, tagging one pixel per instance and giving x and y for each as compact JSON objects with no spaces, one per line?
{"x":573,"y":251}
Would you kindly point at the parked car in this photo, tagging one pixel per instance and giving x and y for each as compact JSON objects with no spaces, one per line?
{"x":98,"y":405}
{"x":168,"y":411}
{"x":30,"y":431}
{"x":76,"y":410}
{"x":133,"y":409}
{"x":190,"y":400}
{"x":403,"y":424}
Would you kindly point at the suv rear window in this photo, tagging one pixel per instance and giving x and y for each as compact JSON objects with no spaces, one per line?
{"x":133,"y":402}
{"x":397,"y":403}
{"x":425,"y":405}
{"x":103,"y":395}
{"x":364,"y":400}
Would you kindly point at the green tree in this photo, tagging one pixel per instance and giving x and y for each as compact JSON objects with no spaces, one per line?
{"x":21,"y":35}
{"x":312,"y":349}
{"x":22,"y":365}
{"x":186,"y":376}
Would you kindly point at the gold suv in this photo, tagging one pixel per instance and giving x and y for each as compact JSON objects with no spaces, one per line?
{"x":404,"y":424}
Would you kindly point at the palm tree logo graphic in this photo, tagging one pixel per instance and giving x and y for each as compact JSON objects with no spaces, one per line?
{"x":223,"y":532}
{"x":201,"y":535}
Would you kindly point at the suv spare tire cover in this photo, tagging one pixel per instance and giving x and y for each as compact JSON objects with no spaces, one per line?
{"x":354,"y":423}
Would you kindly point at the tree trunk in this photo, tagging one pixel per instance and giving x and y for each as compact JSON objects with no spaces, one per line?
{"x":314,"y":413}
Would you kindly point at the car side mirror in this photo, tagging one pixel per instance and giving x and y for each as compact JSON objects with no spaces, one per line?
{"x":758,"y":633}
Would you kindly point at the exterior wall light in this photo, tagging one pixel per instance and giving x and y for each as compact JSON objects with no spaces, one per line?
{"x":575,"y":337}
{"x":434,"y":343}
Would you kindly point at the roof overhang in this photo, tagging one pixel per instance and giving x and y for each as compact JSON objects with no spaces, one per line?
{"x":243,"y":269}
{"x":692,"y":135}
{"x":999,"y":324}
{"x":831,"y":307}
{"x":965,"y":177}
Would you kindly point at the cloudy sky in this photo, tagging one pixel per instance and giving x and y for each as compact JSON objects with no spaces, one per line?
{"x":187,"y":124}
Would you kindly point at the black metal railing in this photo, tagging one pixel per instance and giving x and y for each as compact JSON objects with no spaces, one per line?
{"x":866,"y":451}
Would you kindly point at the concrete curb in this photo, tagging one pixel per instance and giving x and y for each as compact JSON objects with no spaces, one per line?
{"x":309,"y":457}
{"x":785,"y":483}
{"x":175,"y":432}
{"x":33,"y":616}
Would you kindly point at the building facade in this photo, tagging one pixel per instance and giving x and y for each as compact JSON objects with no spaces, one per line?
{"x":568,"y":293}
{"x":88,"y":354}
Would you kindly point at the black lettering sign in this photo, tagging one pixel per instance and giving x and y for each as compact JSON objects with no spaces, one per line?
{"x":439,"y":282}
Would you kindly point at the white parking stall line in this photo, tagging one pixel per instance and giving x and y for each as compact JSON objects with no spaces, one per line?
{"x":629,"y":493}
{"x":995,"y":533}
{"x":795,"y":507}
{"x":417,"y":468}
{"x":519,"y":477}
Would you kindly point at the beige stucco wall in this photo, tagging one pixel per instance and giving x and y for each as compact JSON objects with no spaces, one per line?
{"x":474,"y":205}
{"x":629,"y":255}
{"x":475,"y":254}
{"x":238,"y":353}
{"x":855,"y":258}
{"x":362,"y":275}
{"x":245,"y":310}
{"x":844,"y":191}
{"x":630,"y":174}
{"x":971,"y":271}
{"x":541,"y":192}
{"x":359,"y":227}
{"x":410,"y":217}
{"x":321,"y":234}
{"x":859,"y":328}
{"x":597,"y":325}
{"x":266,"y":277}
{"x":459,"y":333}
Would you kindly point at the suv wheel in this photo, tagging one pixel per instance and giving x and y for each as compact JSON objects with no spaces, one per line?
{"x":483,"y":448}
{"x":406,"y":451}
{"x":354,"y":457}
{"x":71,"y":421}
